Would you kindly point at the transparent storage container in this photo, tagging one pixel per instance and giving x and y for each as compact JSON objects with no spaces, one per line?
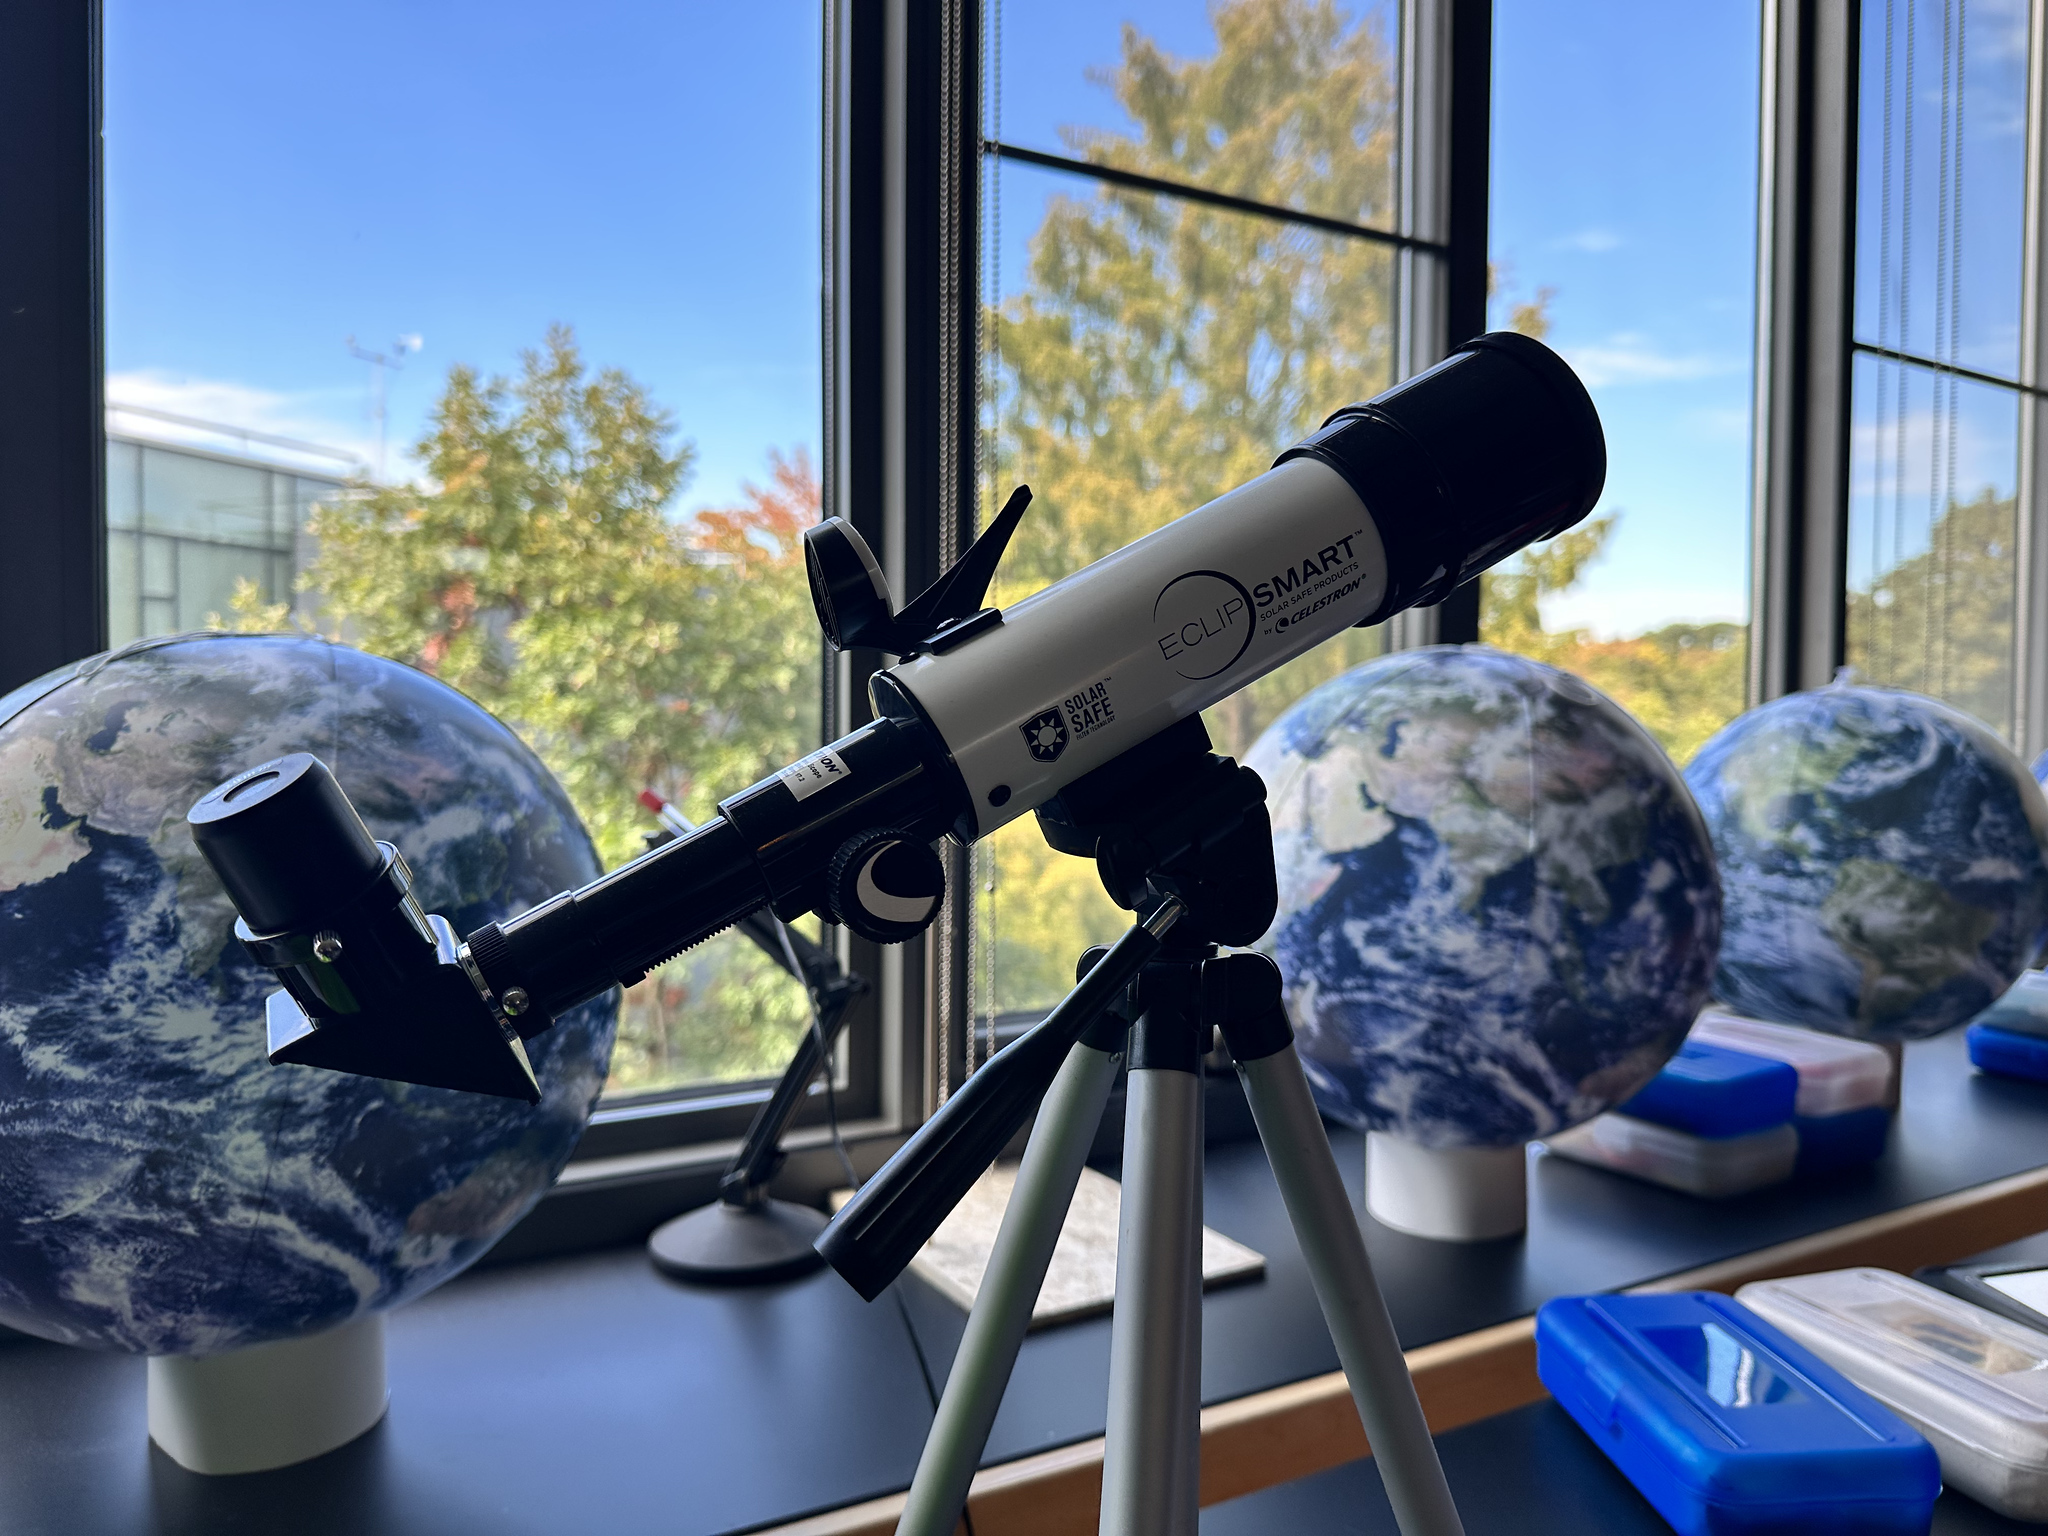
{"x":2023,"y":1009}
{"x":1835,"y":1075}
{"x":1976,"y":1385}
{"x":1713,"y":1167}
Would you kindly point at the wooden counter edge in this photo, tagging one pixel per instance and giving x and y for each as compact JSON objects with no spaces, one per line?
{"x":1305,"y":1427}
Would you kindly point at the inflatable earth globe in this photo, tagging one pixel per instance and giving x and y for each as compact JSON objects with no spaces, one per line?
{"x":163,"y":1188}
{"x":1498,"y":908}
{"x":1885,"y":861}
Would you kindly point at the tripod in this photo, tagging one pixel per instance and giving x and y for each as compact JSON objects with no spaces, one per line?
{"x":1186,"y":834}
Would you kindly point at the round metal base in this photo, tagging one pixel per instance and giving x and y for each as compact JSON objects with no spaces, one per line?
{"x":720,"y":1244}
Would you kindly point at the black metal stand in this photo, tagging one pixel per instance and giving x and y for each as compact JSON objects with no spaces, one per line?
{"x":745,"y":1237}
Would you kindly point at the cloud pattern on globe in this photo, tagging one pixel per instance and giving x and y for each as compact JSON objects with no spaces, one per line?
{"x":1885,"y":859}
{"x":1498,"y":907}
{"x":163,"y":1189}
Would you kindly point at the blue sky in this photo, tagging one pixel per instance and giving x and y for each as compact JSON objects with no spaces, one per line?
{"x":281,"y":177}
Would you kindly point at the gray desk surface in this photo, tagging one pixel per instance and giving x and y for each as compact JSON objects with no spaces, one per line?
{"x":588,"y":1394}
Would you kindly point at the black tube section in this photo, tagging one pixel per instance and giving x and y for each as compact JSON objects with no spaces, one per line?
{"x":769,"y":845}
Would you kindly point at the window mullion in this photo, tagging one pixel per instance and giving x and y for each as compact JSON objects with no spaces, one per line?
{"x":2030,"y":629}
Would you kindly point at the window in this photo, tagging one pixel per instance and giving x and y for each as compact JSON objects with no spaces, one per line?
{"x":1623,"y":232}
{"x":1941,"y":204}
{"x":366,"y":261}
{"x":1198,"y":242}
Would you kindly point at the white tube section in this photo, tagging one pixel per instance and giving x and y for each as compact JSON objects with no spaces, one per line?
{"x":1086,"y":669}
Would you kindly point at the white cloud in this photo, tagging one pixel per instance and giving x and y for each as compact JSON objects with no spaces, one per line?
{"x":235,"y":418}
{"x":1630,"y":357}
{"x":1594,"y":241}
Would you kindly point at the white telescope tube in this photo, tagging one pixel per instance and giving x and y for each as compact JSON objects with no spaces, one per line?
{"x":1089,"y":667}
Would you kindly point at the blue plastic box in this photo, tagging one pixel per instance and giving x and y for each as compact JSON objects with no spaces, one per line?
{"x":1710,"y":1090}
{"x":2008,"y":1054}
{"x":1847,"y":1140}
{"x":1726,"y":1425}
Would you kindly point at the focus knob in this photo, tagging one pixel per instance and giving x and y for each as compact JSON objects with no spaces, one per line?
{"x":885,"y":885}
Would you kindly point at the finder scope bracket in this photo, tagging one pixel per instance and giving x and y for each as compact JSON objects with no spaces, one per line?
{"x":852,"y":595}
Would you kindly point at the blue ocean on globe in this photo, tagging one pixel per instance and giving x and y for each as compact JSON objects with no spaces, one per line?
{"x":1885,"y":860}
{"x":1498,"y":907}
{"x":163,"y":1189}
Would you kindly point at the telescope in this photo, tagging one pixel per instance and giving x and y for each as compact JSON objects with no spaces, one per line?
{"x":988,"y":714}
{"x":1080,"y":703}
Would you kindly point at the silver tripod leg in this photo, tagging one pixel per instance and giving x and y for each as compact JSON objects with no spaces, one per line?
{"x":1327,"y":1229}
{"x":1149,"y":1471}
{"x":1187,"y":1478}
{"x":1059,"y":1144}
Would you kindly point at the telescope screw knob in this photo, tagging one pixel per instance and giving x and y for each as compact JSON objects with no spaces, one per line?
{"x":885,"y":884}
{"x":327,"y":945}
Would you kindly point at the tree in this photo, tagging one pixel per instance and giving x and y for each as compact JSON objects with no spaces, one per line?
{"x":1940,"y":622}
{"x":538,"y":569}
{"x":1162,"y":351}
{"x":1683,"y":682}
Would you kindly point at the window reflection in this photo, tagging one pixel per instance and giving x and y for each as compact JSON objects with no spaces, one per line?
{"x":1728,"y":1370}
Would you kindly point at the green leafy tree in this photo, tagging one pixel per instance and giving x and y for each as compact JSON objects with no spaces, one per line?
{"x":1940,"y":622}
{"x":1160,"y":351}
{"x":539,"y":569}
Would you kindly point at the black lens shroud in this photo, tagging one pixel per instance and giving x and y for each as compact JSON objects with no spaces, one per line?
{"x":1491,"y":449}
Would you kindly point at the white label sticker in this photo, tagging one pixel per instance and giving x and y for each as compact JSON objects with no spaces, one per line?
{"x":822,"y":767}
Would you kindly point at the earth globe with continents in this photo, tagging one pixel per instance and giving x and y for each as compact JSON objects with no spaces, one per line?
{"x":1498,"y":908}
{"x":164,"y":1190}
{"x":1885,"y":858}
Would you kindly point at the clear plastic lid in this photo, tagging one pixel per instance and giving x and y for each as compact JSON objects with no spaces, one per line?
{"x":1711,"y":1166}
{"x":1835,"y":1075}
{"x":2023,"y":1009}
{"x":1958,"y":1372}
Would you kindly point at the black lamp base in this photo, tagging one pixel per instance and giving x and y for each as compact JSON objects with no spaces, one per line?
{"x":721,"y":1244}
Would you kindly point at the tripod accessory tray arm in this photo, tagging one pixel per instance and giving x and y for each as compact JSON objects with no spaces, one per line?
{"x":879,"y":1231}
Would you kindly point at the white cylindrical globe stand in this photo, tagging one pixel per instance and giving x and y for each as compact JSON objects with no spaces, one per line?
{"x":270,"y":1405}
{"x":1456,"y":1194}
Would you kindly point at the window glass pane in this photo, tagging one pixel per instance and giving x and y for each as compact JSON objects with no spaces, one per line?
{"x":1149,"y":354}
{"x":394,"y":290}
{"x":1932,"y":534}
{"x":1941,"y":187}
{"x":1289,"y":102}
{"x":1624,"y":232}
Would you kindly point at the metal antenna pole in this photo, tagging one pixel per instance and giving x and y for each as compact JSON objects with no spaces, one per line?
{"x":378,"y":362}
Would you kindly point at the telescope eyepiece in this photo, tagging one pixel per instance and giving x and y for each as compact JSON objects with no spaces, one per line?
{"x":285,"y":842}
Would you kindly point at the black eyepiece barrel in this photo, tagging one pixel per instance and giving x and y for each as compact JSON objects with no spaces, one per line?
{"x":286,"y":843}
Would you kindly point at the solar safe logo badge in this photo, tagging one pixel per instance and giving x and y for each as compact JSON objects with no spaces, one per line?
{"x":1045,"y":734}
